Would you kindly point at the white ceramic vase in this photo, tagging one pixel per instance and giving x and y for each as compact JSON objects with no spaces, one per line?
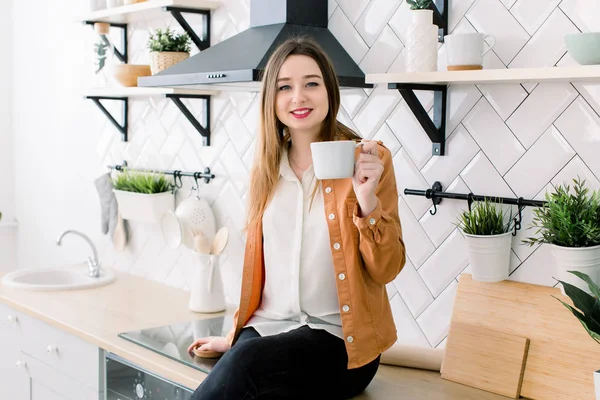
{"x":597,"y":384}
{"x":490,"y":256}
{"x":421,"y":43}
{"x":582,"y":259}
{"x":206,"y":293}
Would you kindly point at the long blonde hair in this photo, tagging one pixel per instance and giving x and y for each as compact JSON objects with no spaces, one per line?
{"x":271,"y":136}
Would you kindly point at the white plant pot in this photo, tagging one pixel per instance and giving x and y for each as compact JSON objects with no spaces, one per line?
{"x":582,"y":259}
{"x":146,"y":208}
{"x":490,"y":256}
{"x":597,"y":384}
{"x":206,"y":293}
{"x":421,"y":43}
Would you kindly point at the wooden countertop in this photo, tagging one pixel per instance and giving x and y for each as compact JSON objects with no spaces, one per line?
{"x":130,"y":303}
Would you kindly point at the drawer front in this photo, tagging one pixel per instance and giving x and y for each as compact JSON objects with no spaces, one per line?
{"x":48,"y":381}
{"x":65,"y":352}
{"x":11,"y":329}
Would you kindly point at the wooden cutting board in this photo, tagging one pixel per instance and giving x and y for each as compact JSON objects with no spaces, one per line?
{"x":486,"y":359}
{"x":561,"y":358}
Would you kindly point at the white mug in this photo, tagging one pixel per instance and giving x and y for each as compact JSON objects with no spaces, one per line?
{"x":333,"y":159}
{"x":466,"y":50}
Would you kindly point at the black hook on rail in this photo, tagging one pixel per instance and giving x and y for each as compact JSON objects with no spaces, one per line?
{"x":519,"y":216}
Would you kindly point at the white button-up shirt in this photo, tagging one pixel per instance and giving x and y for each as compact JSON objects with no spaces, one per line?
{"x":300,"y":287}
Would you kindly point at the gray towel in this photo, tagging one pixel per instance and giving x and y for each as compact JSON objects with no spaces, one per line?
{"x":108,"y":204}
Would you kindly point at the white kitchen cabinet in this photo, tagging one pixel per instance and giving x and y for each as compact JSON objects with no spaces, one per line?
{"x":37,"y":360}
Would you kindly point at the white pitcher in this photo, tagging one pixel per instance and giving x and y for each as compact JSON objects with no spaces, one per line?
{"x":206,"y":295}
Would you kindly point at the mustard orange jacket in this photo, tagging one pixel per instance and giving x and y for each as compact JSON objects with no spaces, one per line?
{"x":367,"y":254}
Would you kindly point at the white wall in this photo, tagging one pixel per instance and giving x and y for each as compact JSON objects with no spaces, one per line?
{"x":54,"y":138}
{"x":505,"y":140}
{"x":7,"y":196}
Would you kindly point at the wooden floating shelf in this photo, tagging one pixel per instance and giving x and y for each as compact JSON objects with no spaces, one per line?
{"x":587,"y":73}
{"x":147,"y":10}
{"x":145,"y":91}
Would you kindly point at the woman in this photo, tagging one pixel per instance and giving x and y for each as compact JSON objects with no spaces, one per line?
{"x":314,"y":311}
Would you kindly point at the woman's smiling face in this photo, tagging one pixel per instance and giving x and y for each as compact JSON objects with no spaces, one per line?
{"x":301,"y":102}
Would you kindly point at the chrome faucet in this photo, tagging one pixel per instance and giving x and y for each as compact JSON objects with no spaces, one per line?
{"x":93,"y":263}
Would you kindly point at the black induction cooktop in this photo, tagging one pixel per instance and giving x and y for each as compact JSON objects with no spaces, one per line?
{"x":173,"y":340}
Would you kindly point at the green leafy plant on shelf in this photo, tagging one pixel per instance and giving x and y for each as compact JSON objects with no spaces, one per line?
{"x":419,"y":4}
{"x":168,"y":40}
{"x":587,"y":305}
{"x":139,"y":182}
{"x":101,"y":53}
{"x":486,"y":218}
{"x":568,"y":219}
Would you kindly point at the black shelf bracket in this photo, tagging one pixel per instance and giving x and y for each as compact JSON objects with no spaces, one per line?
{"x":436,"y":128}
{"x":204,"y":129}
{"x":440,"y":17}
{"x":202,"y":42}
{"x":121,"y":55}
{"x":125,"y":109}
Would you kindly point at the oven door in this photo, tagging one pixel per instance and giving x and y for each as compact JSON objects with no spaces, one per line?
{"x":126,"y":381}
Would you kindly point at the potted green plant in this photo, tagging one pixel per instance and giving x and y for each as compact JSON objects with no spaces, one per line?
{"x":421,"y":38}
{"x":487,"y":228}
{"x":570,"y":223}
{"x":586,"y":310}
{"x":167,"y":48}
{"x":143,"y":197}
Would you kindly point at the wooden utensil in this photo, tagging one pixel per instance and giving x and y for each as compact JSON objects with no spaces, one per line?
{"x":201,"y":244}
{"x":120,"y":234}
{"x":219,"y":242}
{"x":486,"y":359}
{"x":562,"y":357}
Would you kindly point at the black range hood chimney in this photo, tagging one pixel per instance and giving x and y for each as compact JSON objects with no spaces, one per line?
{"x":237,"y":63}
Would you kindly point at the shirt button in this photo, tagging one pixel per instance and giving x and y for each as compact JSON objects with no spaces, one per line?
{"x":327,"y":189}
{"x":336,"y":246}
{"x":332,"y":216}
{"x":345,"y":308}
{"x":342,"y":277}
{"x":350,"y":339}
{"x":372,"y":221}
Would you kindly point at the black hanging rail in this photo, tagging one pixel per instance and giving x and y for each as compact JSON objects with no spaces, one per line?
{"x":436,"y":194}
{"x":177,"y":174}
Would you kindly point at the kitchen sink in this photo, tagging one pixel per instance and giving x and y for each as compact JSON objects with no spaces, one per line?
{"x":57,"y":278}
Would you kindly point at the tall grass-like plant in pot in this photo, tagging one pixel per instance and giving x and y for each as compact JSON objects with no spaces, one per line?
{"x":570,"y":223}
{"x":167,"y":48}
{"x":586,"y":310}
{"x":143,"y":197}
{"x":487,"y":228}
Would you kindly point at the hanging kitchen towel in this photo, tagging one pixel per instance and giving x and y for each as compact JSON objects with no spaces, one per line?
{"x":108,"y":204}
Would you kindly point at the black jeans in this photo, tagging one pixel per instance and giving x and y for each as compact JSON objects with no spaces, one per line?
{"x":304,"y":364}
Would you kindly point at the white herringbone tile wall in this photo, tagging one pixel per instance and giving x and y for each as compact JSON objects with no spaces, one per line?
{"x":506,"y":140}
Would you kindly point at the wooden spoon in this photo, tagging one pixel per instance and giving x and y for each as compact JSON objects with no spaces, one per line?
{"x":219,"y":242}
{"x":201,"y":244}
{"x":120,"y":234}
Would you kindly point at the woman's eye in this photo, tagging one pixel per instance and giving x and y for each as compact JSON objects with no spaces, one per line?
{"x":312,"y":84}
{"x":284,"y":87}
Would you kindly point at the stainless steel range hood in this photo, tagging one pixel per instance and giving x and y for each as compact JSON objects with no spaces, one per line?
{"x":237,"y":63}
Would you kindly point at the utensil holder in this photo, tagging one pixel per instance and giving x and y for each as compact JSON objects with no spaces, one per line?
{"x":206,"y":294}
